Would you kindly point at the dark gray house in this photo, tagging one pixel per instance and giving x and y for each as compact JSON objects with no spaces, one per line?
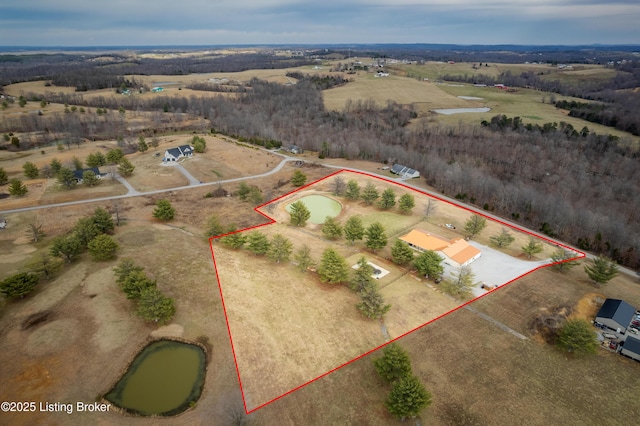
{"x":615,"y":314}
{"x":404,"y":171}
{"x":77,"y":174}
{"x":631,"y":348}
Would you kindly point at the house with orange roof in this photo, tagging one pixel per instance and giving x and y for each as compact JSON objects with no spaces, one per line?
{"x":456,"y":252}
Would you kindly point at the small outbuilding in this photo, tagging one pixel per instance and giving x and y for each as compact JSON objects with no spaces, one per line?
{"x":631,"y":348}
{"x":615,"y":314}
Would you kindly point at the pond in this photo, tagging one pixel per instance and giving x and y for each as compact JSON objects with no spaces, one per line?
{"x":164,"y":379}
{"x":320,"y":207}
{"x":450,"y":111}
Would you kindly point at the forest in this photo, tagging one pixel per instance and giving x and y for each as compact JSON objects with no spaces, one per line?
{"x":572,"y":184}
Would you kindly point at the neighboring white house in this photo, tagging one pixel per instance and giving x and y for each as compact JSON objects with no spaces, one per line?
{"x":405,"y":172}
{"x":381,"y":74}
{"x":174,"y":154}
{"x":456,"y":252}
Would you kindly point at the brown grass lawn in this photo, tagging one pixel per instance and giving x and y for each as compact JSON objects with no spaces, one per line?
{"x":288,"y":328}
{"x":475,"y":371}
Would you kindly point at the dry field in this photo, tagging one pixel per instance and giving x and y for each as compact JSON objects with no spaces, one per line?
{"x":288,"y":328}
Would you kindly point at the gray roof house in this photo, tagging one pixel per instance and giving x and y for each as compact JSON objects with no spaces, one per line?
{"x":174,"y":154}
{"x":615,"y":314}
{"x":631,"y":348}
{"x":404,"y":172}
{"x":77,"y":174}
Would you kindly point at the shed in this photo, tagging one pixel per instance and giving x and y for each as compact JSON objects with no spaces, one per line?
{"x":615,"y":314}
{"x":631,"y":348}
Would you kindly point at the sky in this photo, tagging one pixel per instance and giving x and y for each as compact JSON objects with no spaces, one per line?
{"x":259,"y":22}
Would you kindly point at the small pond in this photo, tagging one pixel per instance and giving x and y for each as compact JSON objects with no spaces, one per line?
{"x":449,"y":111}
{"x":320,"y":207}
{"x":164,"y":379}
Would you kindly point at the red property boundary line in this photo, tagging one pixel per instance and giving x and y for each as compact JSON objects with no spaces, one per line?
{"x":270,"y":221}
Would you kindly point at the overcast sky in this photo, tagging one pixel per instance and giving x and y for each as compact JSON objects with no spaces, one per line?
{"x":212,"y":22}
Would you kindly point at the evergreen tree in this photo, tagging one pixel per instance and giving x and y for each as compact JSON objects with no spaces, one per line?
{"x":463,"y":281}
{"x":234,"y":240}
{"x":407,"y":398}
{"x":280,"y":248}
{"x":243,"y":191}
{"x":125,"y":168}
{"x":124,"y":268}
{"x":372,"y":303}
{"x":331,"y":228}
{"x":142,"y":144}
{"x":395,"y":363}
{"x":429,"y":264}
{"x":503,"y":239}
{"x":532,"y":247}
{"x":353,"y":229}
{"x":353,"y":191}
{"x":370,"y":194}
{"x":103,"y":220}
{"x":102,"y":248}
{"x":85,"y":230}
{"x":19,"y":285}
{"x":114,"y":156}
{"x":89,"y":178}
{"x":46,"y":266}
{"x":333,"y":267}
{"x":303,"y":258}
{"x":4,"y":178}
{"x":30,"y":170}
{"x":214,"y":227}
{"x":55,"y":166}
{"x":164,"y":211}
{"x":375,"y":237}
{"x":96,"y":159}
{"x":401,"y":253}
{"x":474,"y":225}
{"x":298,"y":178}
{"x":258,"y":243}
{"x":388,"y":199}
{"x":153,"y":306}
{"x":299,"y":213}
{"x":406,"y":203}
{"x":135,"y":282}
{"x":601,"y":270}
{"x":77,"y":163}
{"x":199,"y":144}
{"x":560,"y":259}
{"x":66,"y":178}
{"x":67,"y":247}
{"x":362,"y":277}
{"x":577,"y":336}
{"x":17,"y":188}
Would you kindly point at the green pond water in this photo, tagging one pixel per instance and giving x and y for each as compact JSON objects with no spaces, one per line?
{"x":164,"y":378}
{"x":320,"y":207}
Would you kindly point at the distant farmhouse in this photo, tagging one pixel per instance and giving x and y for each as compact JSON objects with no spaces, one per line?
{"x":295,"y":149}
{"x":381,"y":74}
{"x":78,"y":174}
{"x":456,"y":252}
{"x":405,"y":172}
{"x":616,"y":315}
{"x":175,"y":154}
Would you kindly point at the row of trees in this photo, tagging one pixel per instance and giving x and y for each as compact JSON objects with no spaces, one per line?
{"x":151,"y":304}
{"x":386,"y":200}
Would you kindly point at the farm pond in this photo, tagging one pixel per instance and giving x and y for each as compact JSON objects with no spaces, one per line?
{"x":165,"y":379}
{"x":320,"y":207}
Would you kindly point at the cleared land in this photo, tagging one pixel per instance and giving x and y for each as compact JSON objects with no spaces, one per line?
{"x":289,"y":328}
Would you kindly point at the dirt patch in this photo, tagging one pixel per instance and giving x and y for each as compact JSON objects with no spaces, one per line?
{"x":37,"y":319}
{"x":52,"y":337}
{"x":547,"y":324}
{"x":588,"y":306}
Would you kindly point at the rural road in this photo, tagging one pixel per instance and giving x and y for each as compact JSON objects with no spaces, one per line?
{"x":132,"y":192}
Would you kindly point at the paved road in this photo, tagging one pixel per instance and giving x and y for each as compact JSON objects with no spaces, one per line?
{"x":132,"y":192}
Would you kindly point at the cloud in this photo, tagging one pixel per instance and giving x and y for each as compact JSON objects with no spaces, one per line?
{"x":123,"y":22}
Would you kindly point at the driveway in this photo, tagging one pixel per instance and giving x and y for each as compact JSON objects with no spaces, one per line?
{"x":496,"y":268}
{"x":192,"y":180}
